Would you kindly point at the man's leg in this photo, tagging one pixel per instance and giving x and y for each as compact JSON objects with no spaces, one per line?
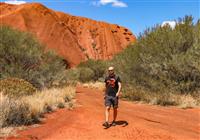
{"x":115,"y":106}
{"x":114,"y":114}
{"x":107,"y":112}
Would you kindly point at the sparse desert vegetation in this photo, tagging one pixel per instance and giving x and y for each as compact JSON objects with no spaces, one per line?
{"x":96,"y":85}
{"x":163,"y":64}
{"x":22,"y":56}
{"x":32,"y":79}
{"x":29,"y":109}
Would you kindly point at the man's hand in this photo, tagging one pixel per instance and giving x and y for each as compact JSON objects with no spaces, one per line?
{"x":104,"y":95}
{"x":118,"y":94}
{"x":119,"y":90}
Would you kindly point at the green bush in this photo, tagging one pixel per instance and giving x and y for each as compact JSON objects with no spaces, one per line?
{"x":97,"y":66}
{"x":22,"y":56}
{"x":91,"y":70}
{"x":73,"y":74}
{"x":15,"y":87}
{"x":164,"y":59}
{"x":86,"y":74}
{"x":157,"y":98}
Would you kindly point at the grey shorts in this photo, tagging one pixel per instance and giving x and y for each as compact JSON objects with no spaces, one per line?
{"x":111,"y":101}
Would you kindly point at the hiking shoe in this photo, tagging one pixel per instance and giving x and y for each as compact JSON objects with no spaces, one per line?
{"x":114,"y":123}
{"x":106,"y":124}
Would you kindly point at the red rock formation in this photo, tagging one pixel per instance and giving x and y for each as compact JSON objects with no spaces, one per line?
{"x":75,"y":38}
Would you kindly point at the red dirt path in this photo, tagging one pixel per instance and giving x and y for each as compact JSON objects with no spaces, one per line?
{"x":145,"y":122}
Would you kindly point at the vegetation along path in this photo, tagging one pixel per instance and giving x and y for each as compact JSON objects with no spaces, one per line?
{"x":135,"y":122}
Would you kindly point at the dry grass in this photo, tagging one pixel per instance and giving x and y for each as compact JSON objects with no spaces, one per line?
{"x":50,"y":99}
{"x":187,"y":101}
{"x":13,"y":112}
{"x":7,"y":131}
{"x":182,"y":101}
{"x":164,"y":98}
{"x":95,"y":85}
{"x":28,"y":109}
{"x":10,"y":131}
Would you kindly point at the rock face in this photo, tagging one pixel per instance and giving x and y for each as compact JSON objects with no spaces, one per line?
{"x":75,"y":38}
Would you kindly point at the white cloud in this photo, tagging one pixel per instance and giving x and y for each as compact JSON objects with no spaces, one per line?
{"x":114,"y":3}
{"x":119,"y":4}
{"x":16,"y":2}
{"x":172,"y":24}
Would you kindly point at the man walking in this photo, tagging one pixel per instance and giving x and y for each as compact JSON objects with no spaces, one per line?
{"x":113,"y":88}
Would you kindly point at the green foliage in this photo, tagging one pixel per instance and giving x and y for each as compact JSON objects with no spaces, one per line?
{"x":22,"y":56}
{"x":15,"y":87}
{"x":86,"y":74}
{"x":164,"y":58}
{"x":97,"y":66}
{"x":73,"y":74}
{"x":158,"y":98}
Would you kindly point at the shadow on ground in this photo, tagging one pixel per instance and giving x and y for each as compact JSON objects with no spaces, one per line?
{"x":121,"y":122}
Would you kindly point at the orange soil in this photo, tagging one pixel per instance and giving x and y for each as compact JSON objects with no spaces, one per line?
{"x":144,"y":122}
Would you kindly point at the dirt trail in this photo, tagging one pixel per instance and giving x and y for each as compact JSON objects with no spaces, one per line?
{"x":135,"y":122}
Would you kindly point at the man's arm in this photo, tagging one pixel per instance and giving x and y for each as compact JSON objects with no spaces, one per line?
{"x":119,"y":89}
{"x":104,"y":89}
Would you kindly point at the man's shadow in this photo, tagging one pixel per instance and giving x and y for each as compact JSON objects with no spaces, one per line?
{"x":122,"y":123}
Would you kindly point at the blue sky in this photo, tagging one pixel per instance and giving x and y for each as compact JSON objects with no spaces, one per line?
{"x":136,"y":15}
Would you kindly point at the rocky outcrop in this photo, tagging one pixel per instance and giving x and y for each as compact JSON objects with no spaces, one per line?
{"x":75,"y":38}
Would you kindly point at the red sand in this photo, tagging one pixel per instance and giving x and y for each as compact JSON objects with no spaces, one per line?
{"x":145,"y":122}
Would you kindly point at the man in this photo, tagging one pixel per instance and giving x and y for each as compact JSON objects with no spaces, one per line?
{"x":112,"y":92}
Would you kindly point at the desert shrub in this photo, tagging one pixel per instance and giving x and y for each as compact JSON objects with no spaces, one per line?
{"x":15,"y":112}
{"x":72,"y":74}
{"x":29,"y":109}
{"x":60,"y":105}
{"x":163,"y":66}
{"x":86,"y":74}
{"x":49,"y":99}
{"x":15,"y":87}
{"x":159,"y":98}
{"x":91,"y":70}
{"x":97,"y":66}
{"x":22,"y":56}
{"x":164,"y":58}
{"x":96,"y":85}
{"x":124,"y":62}
{"x":164,"y":99}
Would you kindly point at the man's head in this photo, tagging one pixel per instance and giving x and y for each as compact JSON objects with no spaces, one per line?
{"x":111,"y":71}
